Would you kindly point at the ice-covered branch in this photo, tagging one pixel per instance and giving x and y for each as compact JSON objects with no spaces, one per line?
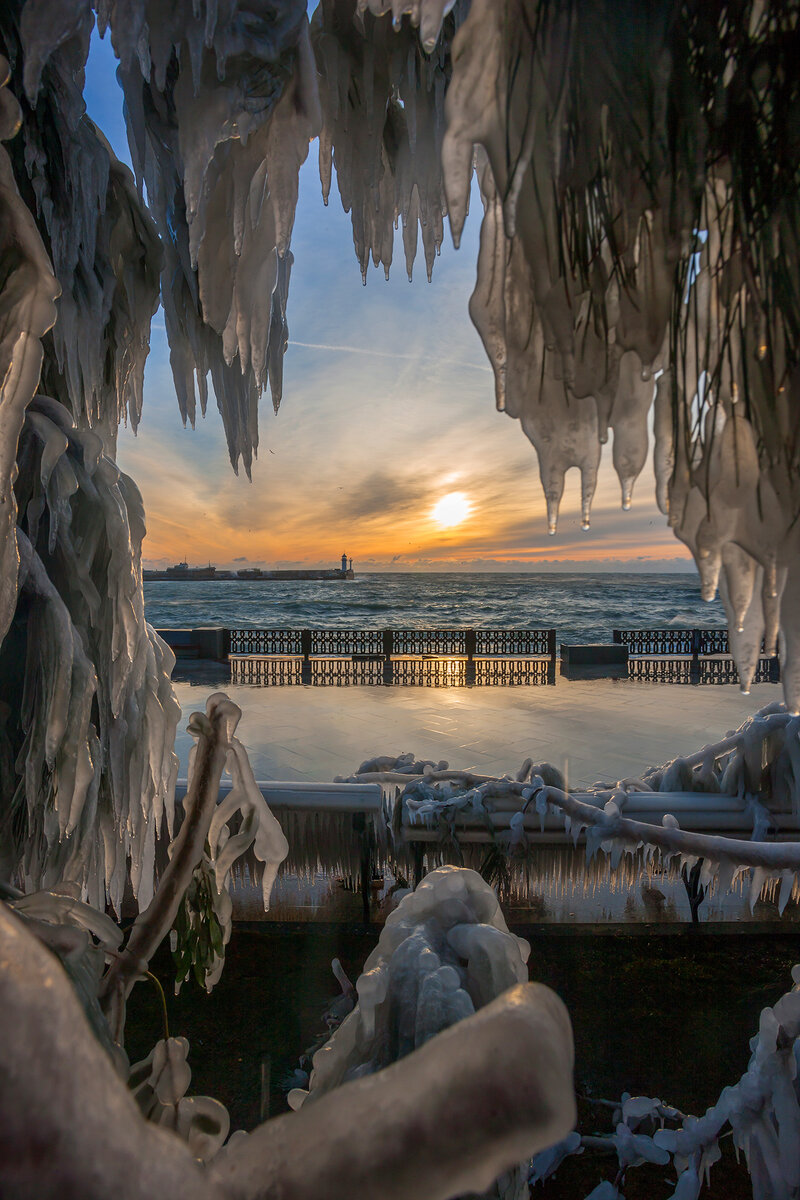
{"x":213,"y":731}
{"x":203,"y":840}
{"x":505,"y":1074}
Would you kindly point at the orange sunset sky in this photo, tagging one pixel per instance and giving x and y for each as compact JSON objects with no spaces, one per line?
{"x":388,"y":408}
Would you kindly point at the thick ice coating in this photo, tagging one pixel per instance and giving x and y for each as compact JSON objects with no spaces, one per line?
{"x":382,"y":89}
{"x":96,"y":708}
{"x":221,"y":102}
{"x":639,"y":243}
{"x":627,"y":232}
{"x":444,"y":952}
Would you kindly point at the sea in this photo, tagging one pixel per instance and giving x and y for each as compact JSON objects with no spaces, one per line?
{"x":581,"y":607}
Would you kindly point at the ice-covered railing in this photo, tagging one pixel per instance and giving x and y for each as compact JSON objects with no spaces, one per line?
{"x":758,"y":766}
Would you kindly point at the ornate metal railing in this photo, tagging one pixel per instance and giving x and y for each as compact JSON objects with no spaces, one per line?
{"x":657,"y":641}
{"x":692,"y":642}
{"x":346,"y":641}
{"x":265,"y":641}
{"x":523,"y":643}
{"x":697,"y":671}
{"x":470,"y":643}
{"x":428,"y":641}
{"x":270,"y":670}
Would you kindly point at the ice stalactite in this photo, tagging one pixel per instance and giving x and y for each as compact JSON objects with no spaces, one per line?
{"x":104,"y":247}
{"x":572,"y":340}
{"x":221,"y":102}
{"x":96,"y":708}
{"x":626,"y":232}
{"x":444,"y":952}
{"x":382,"y":89}
{"x":86,"y":750}
{"x":27,"y":311}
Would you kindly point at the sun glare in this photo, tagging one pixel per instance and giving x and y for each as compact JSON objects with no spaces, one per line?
{"x":452,"y":509}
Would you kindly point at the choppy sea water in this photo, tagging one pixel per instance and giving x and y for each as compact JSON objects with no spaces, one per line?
{"x":580,"y":607}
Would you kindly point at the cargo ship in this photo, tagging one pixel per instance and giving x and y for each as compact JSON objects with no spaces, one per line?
{"x":183,"y":573}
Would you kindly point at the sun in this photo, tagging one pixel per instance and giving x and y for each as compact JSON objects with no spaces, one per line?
{"x":452,"y":509}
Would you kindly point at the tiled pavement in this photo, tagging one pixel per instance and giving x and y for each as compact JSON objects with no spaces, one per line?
{"x":595,"y":729}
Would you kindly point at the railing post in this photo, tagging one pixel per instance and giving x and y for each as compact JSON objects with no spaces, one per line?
{"x":388,"y":649}
{"x":470,"y":646}
{"x":226,"y":643}
{"x":551,"y":645}
{"x":694,"y":674}
{"x":305,"y":650}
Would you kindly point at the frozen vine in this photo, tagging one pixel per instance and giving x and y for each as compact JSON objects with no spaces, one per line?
{"x":382,"y":88}
{"x":221,"y":103}
{"x":628,"y":232}
{"x":761,"y":1111}
{"x":758,"y":764}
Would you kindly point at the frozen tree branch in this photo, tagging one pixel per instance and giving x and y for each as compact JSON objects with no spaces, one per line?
{"x":772,"y":856}
{"x":503,"y":1077}
{"x":213,"y":732}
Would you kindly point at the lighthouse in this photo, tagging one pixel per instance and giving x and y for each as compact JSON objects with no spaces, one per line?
{"x":344,"y":564}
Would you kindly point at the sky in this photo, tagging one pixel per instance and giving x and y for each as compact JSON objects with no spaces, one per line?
{"x":388,"y":412}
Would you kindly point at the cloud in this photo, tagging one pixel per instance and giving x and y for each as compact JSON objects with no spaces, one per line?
{"x":371,"y":353}
{"x":380,"y":495}
{"x":386,"y":408}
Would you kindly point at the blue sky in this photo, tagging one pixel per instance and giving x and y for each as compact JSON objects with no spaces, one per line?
{"x":388,"y":406}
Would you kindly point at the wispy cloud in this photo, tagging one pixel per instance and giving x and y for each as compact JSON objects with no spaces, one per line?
{"x":455,"y":362}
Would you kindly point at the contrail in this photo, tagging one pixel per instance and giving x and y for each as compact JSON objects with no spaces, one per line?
{"x":457,"y":362}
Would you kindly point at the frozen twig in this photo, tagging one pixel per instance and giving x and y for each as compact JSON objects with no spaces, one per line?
{"x":213,"y":731}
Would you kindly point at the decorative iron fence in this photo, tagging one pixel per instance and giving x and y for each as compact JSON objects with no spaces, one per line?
{"x":346,"y":641}
{"x":265,"y":641}
{"x":657,"y":641}
{"x":467,"y":643}
{"x":694,"y":671}
{"x":521,"y":643}
{"x":270,"y":670}
{"x":690,"y":642}
{"x":687,"y":656}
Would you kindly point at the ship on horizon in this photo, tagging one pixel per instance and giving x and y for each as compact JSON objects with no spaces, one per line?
{"x":182,"y":573}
